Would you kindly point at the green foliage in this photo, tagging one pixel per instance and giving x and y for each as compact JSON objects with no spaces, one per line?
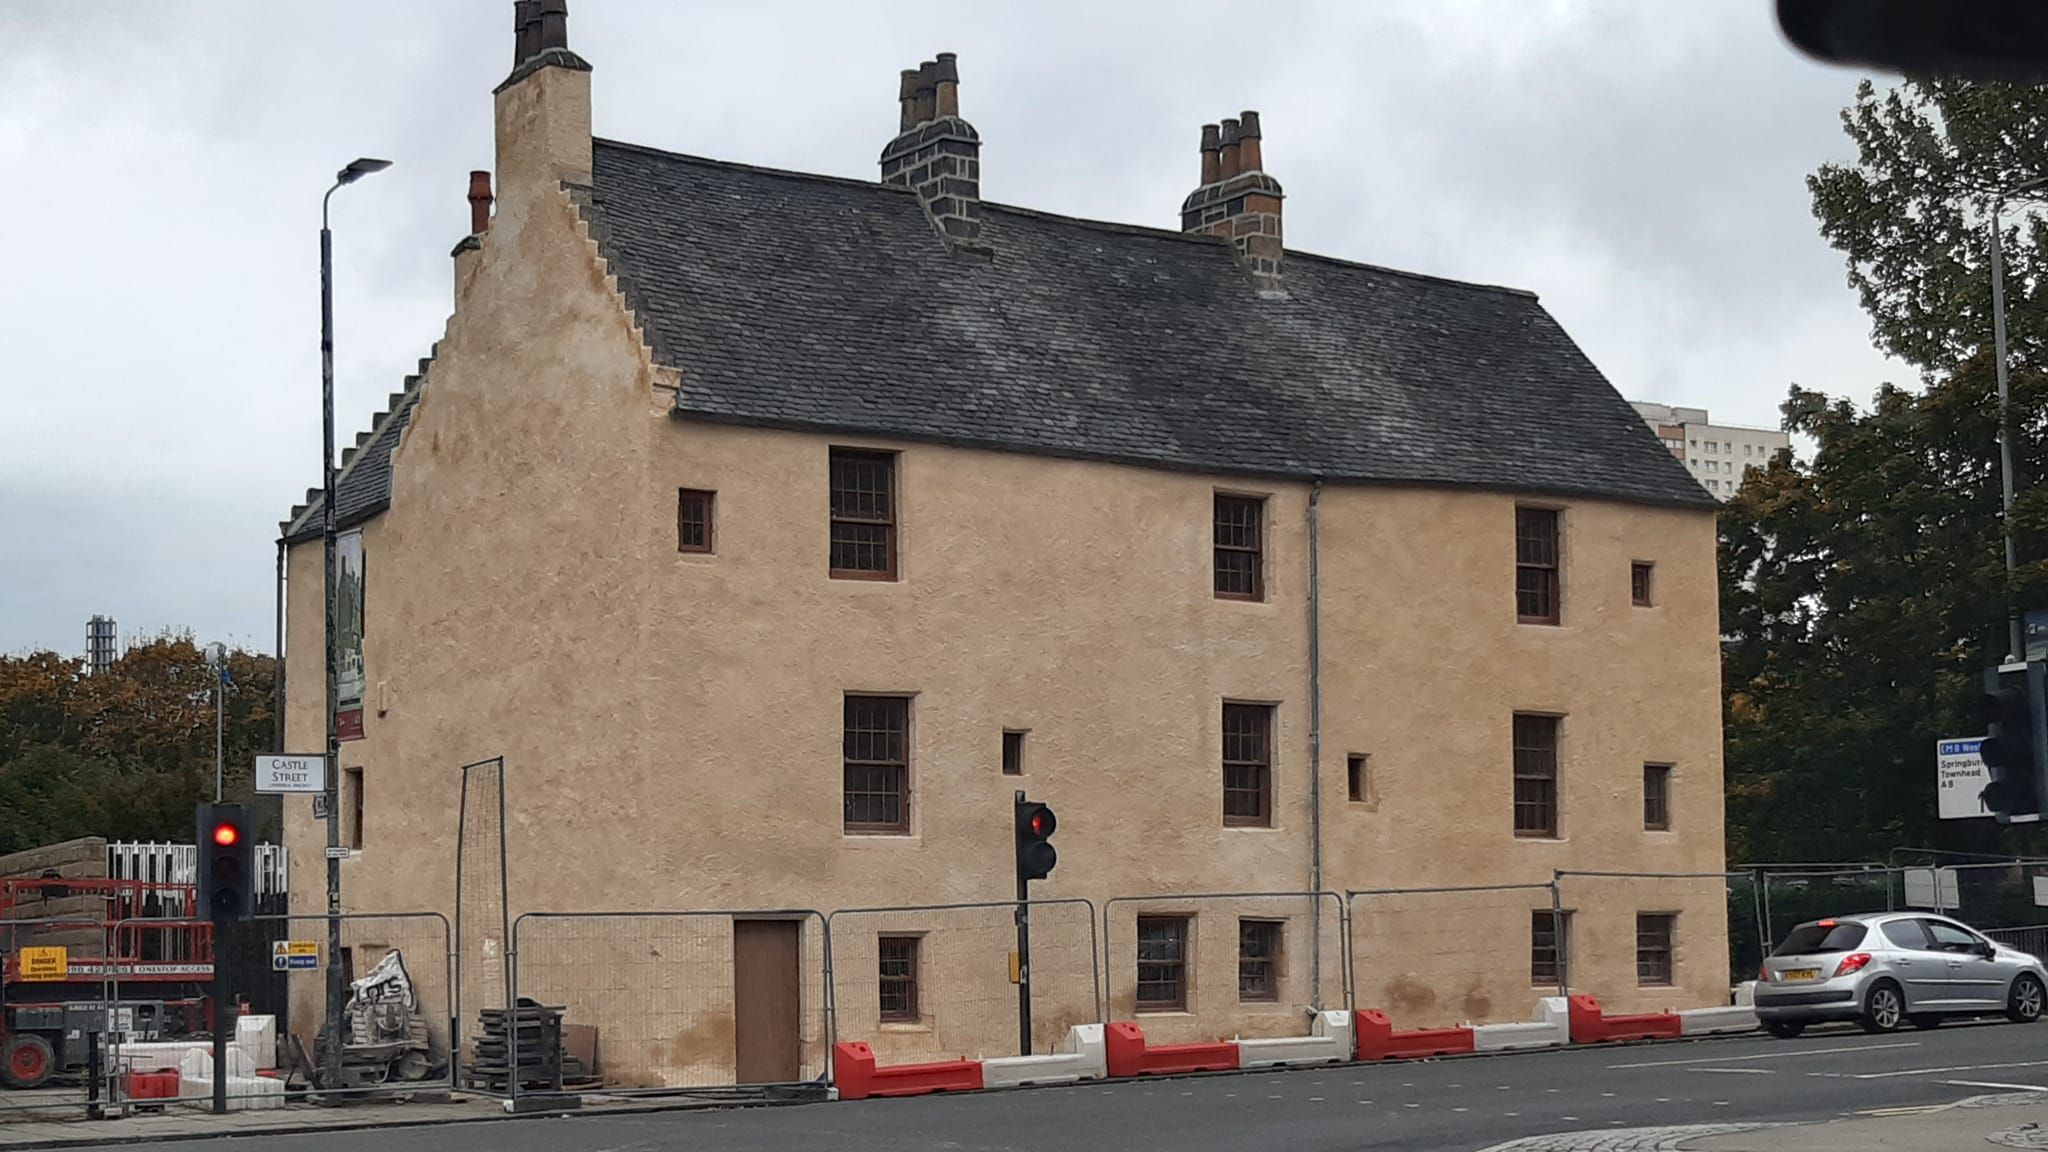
{"x":127,"y":753}
{"x":1863,"y":592}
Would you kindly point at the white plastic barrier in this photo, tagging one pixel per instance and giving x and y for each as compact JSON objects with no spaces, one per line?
{"x":1332,"y":1040}
{"x":1551,"y":1028}
{"x":1738,"y":1017}
{"x":1082,"y":1056}
{"x":256,"y":1036}
{"x":199,"y":1064}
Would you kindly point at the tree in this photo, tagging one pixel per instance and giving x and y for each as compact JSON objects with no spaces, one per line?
{"x":1864,"y":591}
{"x":125,"y":753}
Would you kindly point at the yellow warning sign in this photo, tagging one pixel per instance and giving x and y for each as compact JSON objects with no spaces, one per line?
{"x":45,"y":964}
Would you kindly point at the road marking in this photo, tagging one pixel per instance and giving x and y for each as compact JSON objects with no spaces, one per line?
{"x":1989,"y":1084}
{"x":1411,"y":1105}
{"x":1952,"y":1068}
{"x":1312,"y":1099}
{"x":1567,"y":1117}
{"x":1511,"y":1113}
{"x":1461,"y":1109}
{"x":1767,"y":1056}
{"x":1720,"y":1103}
{"x":1728,"y":1072}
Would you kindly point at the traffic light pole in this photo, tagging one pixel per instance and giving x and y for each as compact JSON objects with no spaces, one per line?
{"x":1023,"y":958}
{"x":223,"y":1014}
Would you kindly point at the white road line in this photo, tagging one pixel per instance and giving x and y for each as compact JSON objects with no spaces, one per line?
{"x":1951,"y":1068}
{"x":1989,"y":1084}
{"x":1728,"y":1072}
{"x":1767,"y":1056}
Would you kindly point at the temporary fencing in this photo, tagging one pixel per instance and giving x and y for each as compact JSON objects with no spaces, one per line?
{"x":654,"y":1002}
{"x":58,"y":991}
{"x":1650,"y":940}
{"x":922,"y":982}
{"x":398,"y":1025}
{"x":483,"y":906}
{"x":1436,"y":956}
{"x":1212,"y":965}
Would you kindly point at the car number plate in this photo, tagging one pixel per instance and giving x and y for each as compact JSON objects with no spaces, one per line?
{"x":1802,"y":973}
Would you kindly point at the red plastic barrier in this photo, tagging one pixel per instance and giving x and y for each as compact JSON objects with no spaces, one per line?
{"x":857,"y":1078}
{"x":1377,"y":1039}
{"x":1591,"y":1025}
{"x":151,"y":1085}
{"x":1128,"y":1054}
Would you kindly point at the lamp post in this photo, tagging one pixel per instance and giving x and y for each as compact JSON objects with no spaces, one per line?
{"x":2012,"y":614}
{"x":356,"y":170}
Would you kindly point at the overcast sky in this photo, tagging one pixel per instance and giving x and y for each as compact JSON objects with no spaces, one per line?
{"x":1638,"y":165}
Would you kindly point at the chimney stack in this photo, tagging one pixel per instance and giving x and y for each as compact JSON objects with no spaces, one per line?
{"x":1238,"y":201}
{"x":937,"y":154}
{"x":479,"y":202}
{"x":543,"y":111}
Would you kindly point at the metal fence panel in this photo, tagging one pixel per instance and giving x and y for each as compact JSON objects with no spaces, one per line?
{"x":483,"y":909}
{"x":59,"y":987}
{"x":1217,"y":965}
{"x":935,"y":981}
{"x":660,"y":990}
{"x":1642,"y":941}
{"x":2031,"y":939}
{"x":1437,"y":957}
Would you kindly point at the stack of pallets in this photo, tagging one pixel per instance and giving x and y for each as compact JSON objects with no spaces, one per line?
{"x":526,"y":1042}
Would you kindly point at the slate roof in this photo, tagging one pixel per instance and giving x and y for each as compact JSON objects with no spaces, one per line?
{"x":793,"y":300}
{"x":362,"y":487}
{"x":813,"y":302}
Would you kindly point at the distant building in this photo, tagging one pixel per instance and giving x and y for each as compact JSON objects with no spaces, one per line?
{"x":1717,"y":455}
{"x":101,"y":643}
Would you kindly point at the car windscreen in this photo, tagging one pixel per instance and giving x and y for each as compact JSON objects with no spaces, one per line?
{"x":1826,"y":936}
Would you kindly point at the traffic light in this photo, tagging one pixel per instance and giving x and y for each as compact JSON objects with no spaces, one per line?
{"x":2015,"y":747}
{"x":226,"y":863}
{"x":1035,"y":853}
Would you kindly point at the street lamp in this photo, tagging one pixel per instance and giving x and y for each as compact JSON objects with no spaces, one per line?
{"x":356,"y":170}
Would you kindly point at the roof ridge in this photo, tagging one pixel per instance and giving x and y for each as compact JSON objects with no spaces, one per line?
{"x":1112,"y":226}
{"x":763,"y":169}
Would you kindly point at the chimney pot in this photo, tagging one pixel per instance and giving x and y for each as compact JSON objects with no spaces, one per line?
{"x":946,"y":91}
{"x":479,"y":202}
{"x":906,"y":100}
{"x":927,"y":91}
{"x":525,"y":30}
{"x":1248,"y":153}
{"x":1212,"y":161}
{"x":1229,"y":155}
{"x":553,"y":24}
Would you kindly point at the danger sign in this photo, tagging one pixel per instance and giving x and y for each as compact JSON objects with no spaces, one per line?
{"x":45,"y":964}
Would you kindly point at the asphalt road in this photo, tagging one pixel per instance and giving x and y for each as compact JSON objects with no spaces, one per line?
{"x":1456,"y":1104}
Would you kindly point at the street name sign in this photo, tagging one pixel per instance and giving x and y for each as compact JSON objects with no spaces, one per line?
{"x":296,"y":773}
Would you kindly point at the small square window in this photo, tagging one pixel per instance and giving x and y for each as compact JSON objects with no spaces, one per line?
{"x":1640,"y":574}
{"x":898,"y":977}
{"x":1013,"y":753}
{"x":1258,"y":961}
{"x":1357,"y":783}
{"x":1162,"y":963}
{"x":693,"y":519}
{"x":1655,"y":943}
{"x":1657,"y":797}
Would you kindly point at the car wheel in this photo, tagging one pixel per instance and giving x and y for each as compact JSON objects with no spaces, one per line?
{"x":1883,"y":1008}
{"x":1785,"y":1029}
{"x":1924,"y":1020}
{"x":2027,"y":1000}
{"x":26,"y":1062}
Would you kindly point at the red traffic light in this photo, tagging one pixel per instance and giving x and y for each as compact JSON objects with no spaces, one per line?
{"x":1042,"y":823}
{"x":226,"y":835}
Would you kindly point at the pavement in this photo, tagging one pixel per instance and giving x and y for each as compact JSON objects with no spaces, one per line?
{"x":1953,"y":1087}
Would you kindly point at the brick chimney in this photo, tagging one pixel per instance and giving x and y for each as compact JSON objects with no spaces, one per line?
{"x":1237,"y":200}
{"x":543,"y":109}
{"x":937,"y":154}
{"x":469,"y":250}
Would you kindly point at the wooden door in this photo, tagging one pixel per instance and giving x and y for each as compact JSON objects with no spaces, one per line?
{"x":767,"y":972}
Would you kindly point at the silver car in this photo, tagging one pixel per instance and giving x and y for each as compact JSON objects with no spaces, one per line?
{"x":1889,"y":968}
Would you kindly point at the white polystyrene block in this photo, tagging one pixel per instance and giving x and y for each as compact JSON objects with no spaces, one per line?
{"x":1706,"y":1021}
{"x":1508,"y":1037}
{"x":257,"y":1037}
{"x":245,"y":1093}
{"x":157,"y":1055}
{"x":200,"y":1063}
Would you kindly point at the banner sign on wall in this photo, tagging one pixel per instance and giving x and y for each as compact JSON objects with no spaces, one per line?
{"x":348,"y":632}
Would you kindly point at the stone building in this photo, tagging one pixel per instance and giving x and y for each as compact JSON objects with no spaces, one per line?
{"x":777,"y":527}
